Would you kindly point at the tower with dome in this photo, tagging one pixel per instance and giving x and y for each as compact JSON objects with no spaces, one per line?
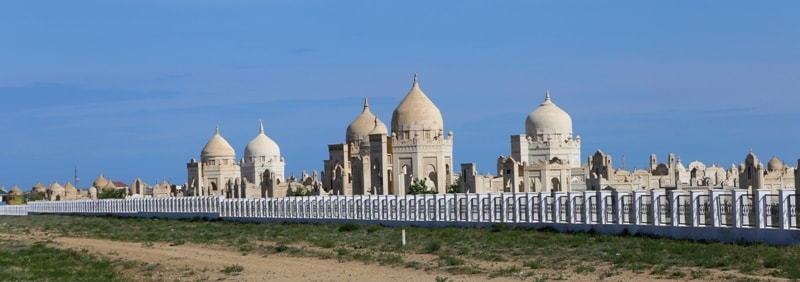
{"x":373,"y":161}
{"x":547,"y":157}
{"x":260,"y":173}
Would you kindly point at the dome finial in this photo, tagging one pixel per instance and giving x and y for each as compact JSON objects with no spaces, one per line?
{"x":260,"y":126}
{"x":216,"y":130}
{"x":366,"y":103}
{"x":415,"y":79}
{"x":546,"y":98}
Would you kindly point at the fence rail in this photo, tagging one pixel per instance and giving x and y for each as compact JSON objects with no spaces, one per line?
{"x":733,"y":214}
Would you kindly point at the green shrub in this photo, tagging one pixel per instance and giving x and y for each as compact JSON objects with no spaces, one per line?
{"x":350,"y":226}
{"x":233,"y":269}
{"x":281,"y":248}
{"x":445,"y":260}
{"x":432,"y":247}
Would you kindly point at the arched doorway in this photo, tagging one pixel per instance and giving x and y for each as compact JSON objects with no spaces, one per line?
{"x":556,"y":184}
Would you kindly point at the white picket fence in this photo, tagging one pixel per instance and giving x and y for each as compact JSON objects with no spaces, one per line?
{"x":717,"y":215}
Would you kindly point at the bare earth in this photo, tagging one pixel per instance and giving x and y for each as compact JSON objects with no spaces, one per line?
{"x":192,"y":262}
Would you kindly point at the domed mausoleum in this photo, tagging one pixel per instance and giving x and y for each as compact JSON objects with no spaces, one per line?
{"x":262,"y":157}
{"x":548,"y":120}
{"x":546,"y":157}
{"x":373,"y":162}
{"x":260,"y":173}
{"x":217,"y":169}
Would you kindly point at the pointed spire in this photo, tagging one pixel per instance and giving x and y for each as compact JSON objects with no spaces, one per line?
{"x":366,"y":103}
{"x":415,"y":79}
{"x":216,"y":130}
{"x":546,"y":98}
{"x":260,"y":126}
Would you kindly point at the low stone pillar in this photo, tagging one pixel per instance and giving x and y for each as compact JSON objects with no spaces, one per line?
{"x":639,"y":210}
{"x":587,"y":206}
{"x":784,"y":209}
{"x":761,"y":204}
{"x":556,"y":206}
{"x":572,"y":207}
{"x":696,"y":211}
{"x":676,"y":211}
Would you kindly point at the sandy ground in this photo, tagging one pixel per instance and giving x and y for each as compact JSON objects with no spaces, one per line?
{"x":192,"y":262}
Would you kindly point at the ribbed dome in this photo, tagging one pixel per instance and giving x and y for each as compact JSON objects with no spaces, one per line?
{"x":15,"y":191}
{"x":261,"y":145}
{"x":679,"y":166}
{"x":416,"y":112}
{"x":217,"y":146}
{"x":548,"y":119}
{"x":100,"y":181}
{"x":56,"y":188}
{"x":361,"y":127}
{"x":109,"y":185}
{"x":378,"y":127}
{"x":39,"y":187}
{"x":774,"y":164}
{"x":70,"y":188}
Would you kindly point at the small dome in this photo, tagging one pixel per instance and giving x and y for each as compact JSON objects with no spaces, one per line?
{"x":679,"y":166}
{"x":39,"y":187}
{"x":100,"y":181}
{"x":15,"y":191}
{"x":70,"y":188}
{"x":774,"y":164}
{"x":416,"y":112}
{"x":362,"y":126}
{"x":261,"y":145}
{"x":217,"y":146}
{"x":378,"y":128}
{"x":56,"y":188}
{"x":548,"y":119}
{"x":109,"y":185}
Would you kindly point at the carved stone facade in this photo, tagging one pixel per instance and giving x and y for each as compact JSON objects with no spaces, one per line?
{"x":373,"y":162}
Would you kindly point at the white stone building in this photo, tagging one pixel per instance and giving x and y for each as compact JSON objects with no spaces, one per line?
{"x":372,"y":162}
{"x":546,"y":158}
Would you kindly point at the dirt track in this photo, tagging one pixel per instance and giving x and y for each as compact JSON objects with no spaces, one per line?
{"x":192,"y":262}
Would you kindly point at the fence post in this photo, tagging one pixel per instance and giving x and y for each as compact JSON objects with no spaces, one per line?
{"x":572,"y":206}
{"x":737,"y":207}
{"x":694,"y":209}
{"x":783,"y":208}
{"x":555,"y":207}
{"x":636,"y":207}
{"x":619,"y":202}
{"x":760,"y":204}
{"x":587,"y":206}
{"x":713,"y":199}
{"x":675,"y":205}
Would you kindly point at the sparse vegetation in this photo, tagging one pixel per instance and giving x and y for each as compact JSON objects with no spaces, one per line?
{"x":111,"y":194}
{"x":233,"y":269}
{"x":455,"y":187}
{"x":42,"y":262}
{"x":501,"y":250}
{"x":300,"y":192}
{"x":418,"y":186}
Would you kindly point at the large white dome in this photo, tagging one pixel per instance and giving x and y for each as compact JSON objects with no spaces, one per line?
{"x":217,"y":146}
{"x":416,"y":112}
{"x":548,"y":119}
{"x":261,"y":146}
{"x":363,"y":125}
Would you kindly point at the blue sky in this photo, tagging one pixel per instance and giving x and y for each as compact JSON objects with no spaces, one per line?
{"x":135,"y":89}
